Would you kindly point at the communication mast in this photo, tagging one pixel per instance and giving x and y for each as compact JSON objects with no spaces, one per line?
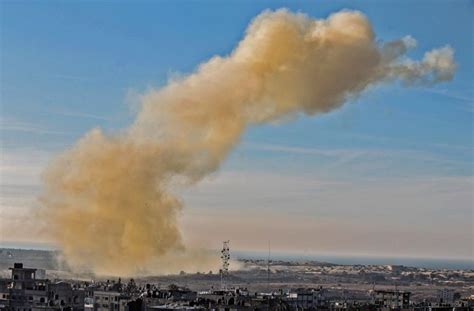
{"x":225,"y":256}
{"x":268,"y":268}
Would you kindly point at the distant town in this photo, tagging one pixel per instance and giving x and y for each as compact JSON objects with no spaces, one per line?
{"x":258,"y":285}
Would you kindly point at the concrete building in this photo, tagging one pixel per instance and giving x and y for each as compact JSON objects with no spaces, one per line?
{"x":24,"y":292}
{"x":106,"y":300}
{"x":446,"y":296}
{"x":110,"y":301}
{"x":4,"y":294}
{"x":385,"y":299}
{"x":63,"y":294}
{"x":305,"y":298}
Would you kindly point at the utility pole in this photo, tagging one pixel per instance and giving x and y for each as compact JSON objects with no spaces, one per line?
{"x":268,"y":268}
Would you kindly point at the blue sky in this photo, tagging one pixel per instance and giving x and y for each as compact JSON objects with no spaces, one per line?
{"x":67,"y":67}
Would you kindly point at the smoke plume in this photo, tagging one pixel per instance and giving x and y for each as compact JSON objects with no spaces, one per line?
{"x":109,"y":199}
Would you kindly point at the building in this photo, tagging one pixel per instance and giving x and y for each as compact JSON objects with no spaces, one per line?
{"x":63,"y":294}
{"x":446,"y":296}
{"x":106,"y":300}
{"x":24,"y":292}
{"x":112,"y":301}
{"x":385,"y":299}
{"x":4,"y":294}
{"x":303,"y":298}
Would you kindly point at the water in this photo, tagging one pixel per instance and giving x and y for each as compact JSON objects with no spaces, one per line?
{"x":429,"y":263}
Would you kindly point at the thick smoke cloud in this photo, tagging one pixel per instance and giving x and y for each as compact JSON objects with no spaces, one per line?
{"x":109,"y":200}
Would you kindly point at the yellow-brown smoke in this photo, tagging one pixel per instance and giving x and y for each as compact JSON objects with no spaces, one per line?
{"x":109,"y":200}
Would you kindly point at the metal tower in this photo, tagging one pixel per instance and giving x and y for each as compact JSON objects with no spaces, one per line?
{"x":268,"y":268}
{"x":225,"y":256}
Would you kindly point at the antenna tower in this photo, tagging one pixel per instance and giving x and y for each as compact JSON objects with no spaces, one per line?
{"x":225,"y":256}
{"x":268,"y":268}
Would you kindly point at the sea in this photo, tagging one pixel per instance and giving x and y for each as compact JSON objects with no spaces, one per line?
{"x":428,"y":263}
{"x":418,"y":262}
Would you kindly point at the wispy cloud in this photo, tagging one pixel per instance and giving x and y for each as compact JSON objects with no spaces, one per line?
{"x":81,"y":115}
{"x":21,"y":126}
{"x":62,"y":76}
{"x":466,"y":100}
{"x":22,"y":167}
{"x":353,"y":153}
{"x":358,"y":163}
{"x":302,"y":150}
{"x":356,"y":216}
{"x":20,"y":171}
{"x":450,"y":94}
{"x":338,"y":214}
